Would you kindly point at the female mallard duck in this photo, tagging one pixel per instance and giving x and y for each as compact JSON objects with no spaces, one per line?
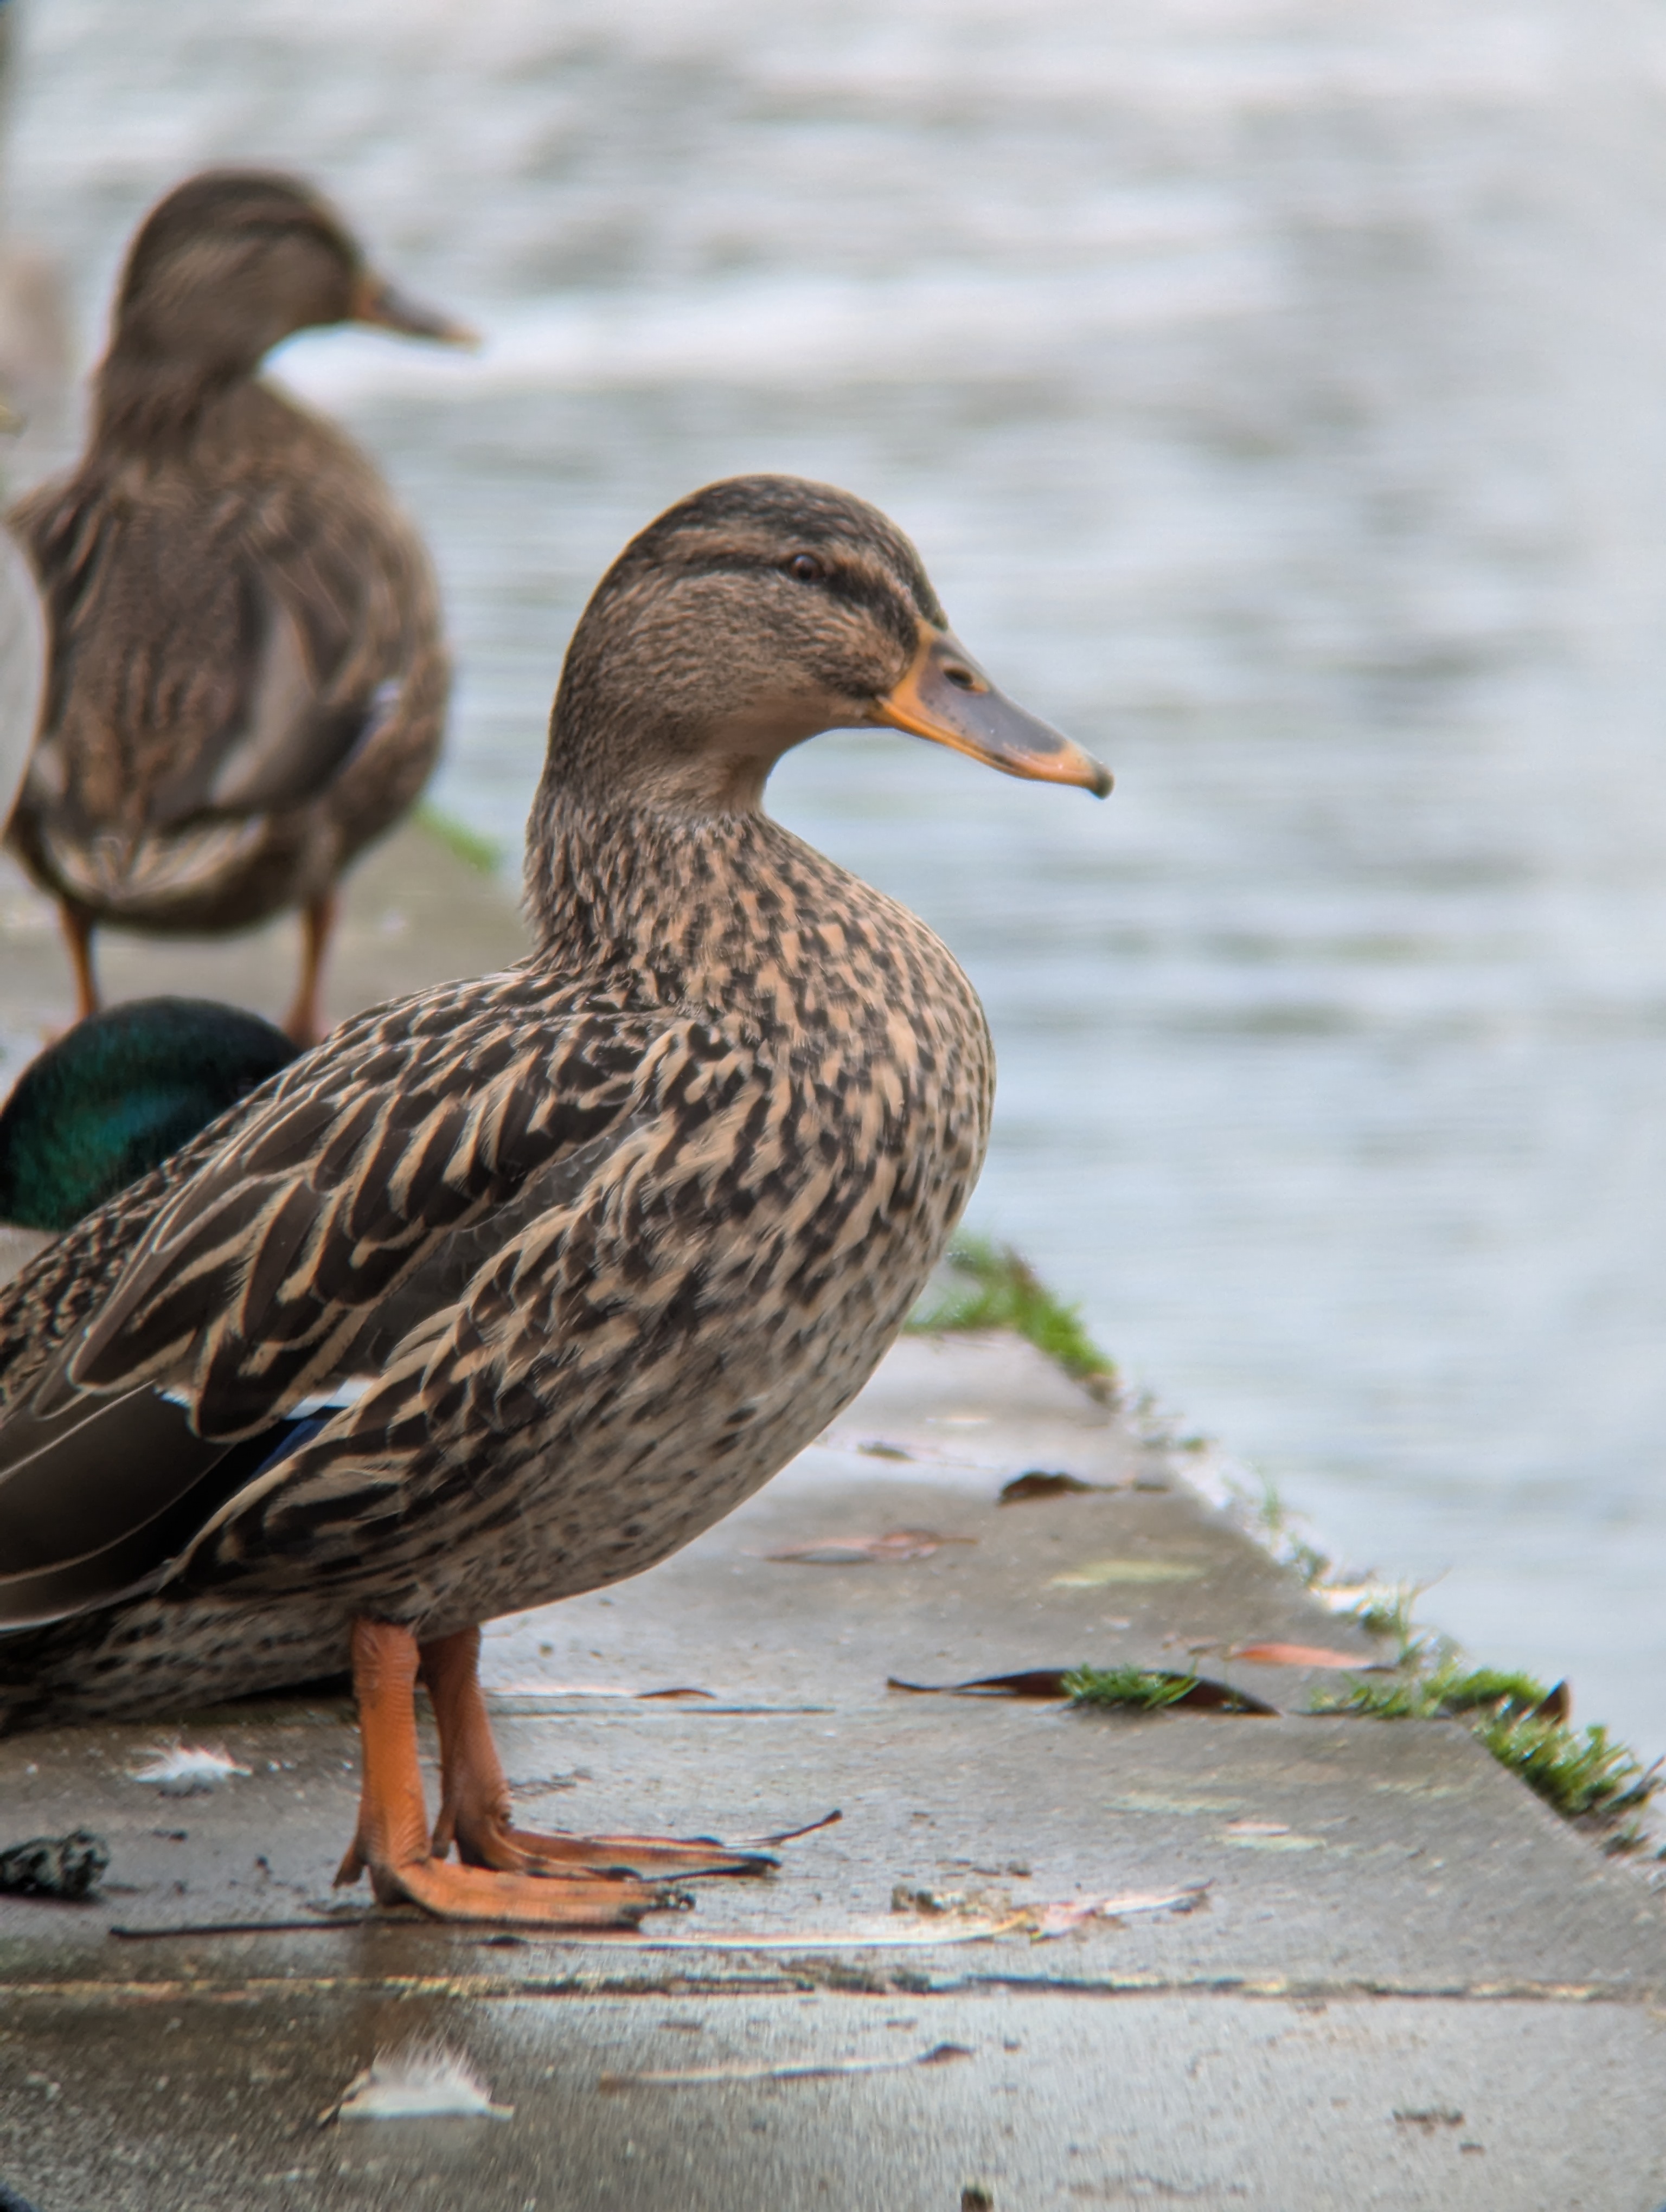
{"x":247,"y":679}
{"x":511,"y":1288}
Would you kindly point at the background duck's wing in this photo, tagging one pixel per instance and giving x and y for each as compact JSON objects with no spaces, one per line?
{"x":223,"y":654}
{"x":349,"y":651}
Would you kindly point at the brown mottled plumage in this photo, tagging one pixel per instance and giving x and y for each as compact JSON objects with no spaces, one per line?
{"x":247,"y":680}
{"x":608,"y":1236}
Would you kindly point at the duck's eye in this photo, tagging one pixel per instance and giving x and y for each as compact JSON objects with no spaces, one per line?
{"x":807,"y":569}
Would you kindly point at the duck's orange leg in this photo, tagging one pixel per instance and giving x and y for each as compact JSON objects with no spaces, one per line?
{"x":392,"y":1841}
{"x":77,"y":922}
{"x":303,"y":1024}
{"x":474,"y":1810}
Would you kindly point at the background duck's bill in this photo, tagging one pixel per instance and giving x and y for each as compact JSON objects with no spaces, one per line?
{"x":379,"y":302}
{"x":946,"y":696}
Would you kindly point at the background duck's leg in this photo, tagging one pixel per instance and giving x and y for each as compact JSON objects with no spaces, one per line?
{"x":392,"y":1838}
{"x":474,"y":1808}
{"x":304,"y":1021}
{"x":78,"y":925}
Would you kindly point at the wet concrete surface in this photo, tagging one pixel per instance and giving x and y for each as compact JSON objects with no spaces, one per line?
{"x":1401,"y":1980}
{"x":1391,"y":1977}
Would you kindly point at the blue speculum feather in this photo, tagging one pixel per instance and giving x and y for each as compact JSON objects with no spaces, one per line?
{"x":119,"y":1093}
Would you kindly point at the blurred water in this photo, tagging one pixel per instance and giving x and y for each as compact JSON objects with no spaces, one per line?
{"x":1278,"y":393}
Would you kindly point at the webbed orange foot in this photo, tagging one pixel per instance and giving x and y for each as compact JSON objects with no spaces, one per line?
{"x":391,"y":1840}
{"x":518,"y":1900}
{"x":487,"y":1838}
{"x":475,"y":1814}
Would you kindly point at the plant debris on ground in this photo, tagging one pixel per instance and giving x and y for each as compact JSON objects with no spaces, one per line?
{"x":1133,"y":1689}
{"x":1582,"y":1774}
{"x":1147,"y":1689}
{"x":997,"y":1289}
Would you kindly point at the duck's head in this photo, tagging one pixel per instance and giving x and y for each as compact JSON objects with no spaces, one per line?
{"x":119,"y":1092}
{"x":749,"y":617}
{"x":233,"y":261}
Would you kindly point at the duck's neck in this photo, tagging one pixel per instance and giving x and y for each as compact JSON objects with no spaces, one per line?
{"x":686,"y":907}
{"x":148,"y":401}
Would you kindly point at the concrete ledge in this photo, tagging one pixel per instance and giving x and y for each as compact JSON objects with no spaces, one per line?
{"x":1410,"y":1985}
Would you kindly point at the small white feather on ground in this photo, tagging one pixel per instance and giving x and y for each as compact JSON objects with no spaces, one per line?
{"x":426,"y":2082}
{"x":183,"y":1770}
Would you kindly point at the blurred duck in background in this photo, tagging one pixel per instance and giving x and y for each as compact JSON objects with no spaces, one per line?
{"x":246,"y":678}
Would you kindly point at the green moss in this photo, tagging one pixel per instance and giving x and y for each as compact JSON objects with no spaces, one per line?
{"x":996,"y":1289}
{"x":1495,"y":1689}
{"x":1139,"y":1689}
{"x":1578,"y":1772}
{"x":483,"y":854}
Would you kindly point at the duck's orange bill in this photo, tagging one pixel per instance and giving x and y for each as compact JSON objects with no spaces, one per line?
{"x":946,"y":696}
{"x":375,"y":301}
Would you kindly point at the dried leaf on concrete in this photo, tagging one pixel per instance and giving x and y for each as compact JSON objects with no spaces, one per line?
{"x":1024,"y":1488}
{"x":786,"y":1835}
{"x":1034,"y":1682}
{"x":1303,"y":1654}
{"x":1145,"y":1689}
{"x":1135,"y":1688}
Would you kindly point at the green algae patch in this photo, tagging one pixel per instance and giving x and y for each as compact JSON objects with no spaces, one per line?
{"x":989,"y":1286}
{"x":1579,"y":1771}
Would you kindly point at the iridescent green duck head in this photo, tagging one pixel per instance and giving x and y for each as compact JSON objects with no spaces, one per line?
{"x":747,"y":618}
{"x":227,"y":266}
{"x":118,"y":1093}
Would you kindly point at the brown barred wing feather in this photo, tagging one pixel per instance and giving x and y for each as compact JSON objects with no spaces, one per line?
{"x":530,"y":1350}
{"x":255,"y":1280}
